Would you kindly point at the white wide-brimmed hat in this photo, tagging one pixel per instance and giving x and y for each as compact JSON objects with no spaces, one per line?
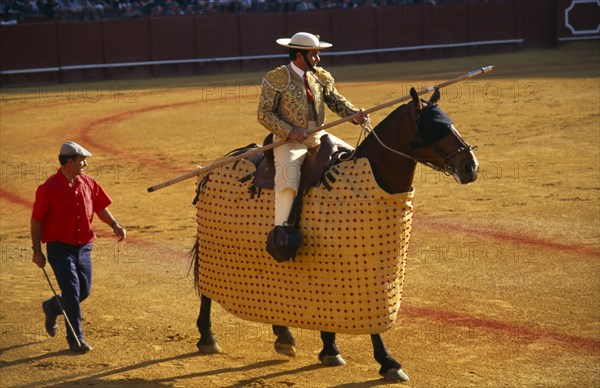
{"x":303,"y":41}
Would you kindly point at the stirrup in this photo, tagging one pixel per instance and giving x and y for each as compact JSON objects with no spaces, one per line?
{"x":283,"y":242}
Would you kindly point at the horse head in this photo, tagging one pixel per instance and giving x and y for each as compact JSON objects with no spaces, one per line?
{"x":418,"y":131}
{"x":437,"y":143}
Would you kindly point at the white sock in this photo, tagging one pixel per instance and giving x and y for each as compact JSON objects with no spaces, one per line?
{"x":284,"y":200}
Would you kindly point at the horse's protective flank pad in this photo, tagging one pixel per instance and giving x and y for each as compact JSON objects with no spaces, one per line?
{"x":347,"y":277}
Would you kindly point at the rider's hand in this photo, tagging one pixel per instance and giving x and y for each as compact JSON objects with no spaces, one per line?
{"x":298,"y":135}
{"x":360,"y":117}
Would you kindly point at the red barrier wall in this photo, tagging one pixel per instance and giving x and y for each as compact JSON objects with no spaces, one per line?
{"x":79,"y":51}
{"x":28,"y":46}
{"x":127,"y":40}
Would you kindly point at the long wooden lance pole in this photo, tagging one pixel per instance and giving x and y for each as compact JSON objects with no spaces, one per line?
{"x":225,"y":161}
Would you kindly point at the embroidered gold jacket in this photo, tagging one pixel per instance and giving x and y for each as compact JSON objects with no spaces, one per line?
{"x":283,"y":104}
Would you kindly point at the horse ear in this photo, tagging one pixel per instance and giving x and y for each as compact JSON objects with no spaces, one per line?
{"x":416,"y":99}
{"x":436,"y":96}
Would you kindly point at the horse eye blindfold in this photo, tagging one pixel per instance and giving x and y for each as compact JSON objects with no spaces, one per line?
{"x":434,"y":124}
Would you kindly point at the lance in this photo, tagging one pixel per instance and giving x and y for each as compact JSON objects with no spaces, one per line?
{"x":231,"y":159}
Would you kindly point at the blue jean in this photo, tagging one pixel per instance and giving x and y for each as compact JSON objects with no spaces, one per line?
{"x":72,"y":266}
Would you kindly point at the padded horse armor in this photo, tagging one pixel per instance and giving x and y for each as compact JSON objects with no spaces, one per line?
{"x":354,"y":234}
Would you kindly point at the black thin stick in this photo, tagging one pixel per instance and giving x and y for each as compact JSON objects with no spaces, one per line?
{"x":61,"y":308}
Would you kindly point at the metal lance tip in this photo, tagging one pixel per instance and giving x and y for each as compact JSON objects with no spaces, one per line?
{"x":483,"y":70}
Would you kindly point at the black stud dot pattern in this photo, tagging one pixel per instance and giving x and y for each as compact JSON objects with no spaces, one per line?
{"x":348,"y":274}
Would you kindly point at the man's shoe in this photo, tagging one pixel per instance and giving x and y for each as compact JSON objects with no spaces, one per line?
{"x":51,"y":326}
{"x":84,"y":348}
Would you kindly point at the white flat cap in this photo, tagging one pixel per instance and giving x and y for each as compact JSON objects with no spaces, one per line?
{"x":71,"y":148}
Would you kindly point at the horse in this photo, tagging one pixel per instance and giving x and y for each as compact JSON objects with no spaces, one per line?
{"x":416,"y":132}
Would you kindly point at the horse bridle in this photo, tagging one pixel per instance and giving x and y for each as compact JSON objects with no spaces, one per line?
{"x":448,"y":167}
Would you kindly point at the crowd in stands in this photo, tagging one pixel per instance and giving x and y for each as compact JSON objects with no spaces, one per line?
{"x":20,"y":11}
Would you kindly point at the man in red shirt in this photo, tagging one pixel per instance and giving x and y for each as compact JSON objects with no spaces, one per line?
{"x":62,"y":218}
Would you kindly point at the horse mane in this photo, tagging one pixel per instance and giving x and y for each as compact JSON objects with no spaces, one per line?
{"x":392,"y":117}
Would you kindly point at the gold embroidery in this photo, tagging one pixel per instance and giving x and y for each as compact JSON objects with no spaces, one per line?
{"x":323,"y":76}
{"x":283,"y":104}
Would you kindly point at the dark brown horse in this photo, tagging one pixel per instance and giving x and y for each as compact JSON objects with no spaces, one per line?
{"x":415,"y":132}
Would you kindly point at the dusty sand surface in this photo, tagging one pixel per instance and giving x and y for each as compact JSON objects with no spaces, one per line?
{"x":503,"y":276}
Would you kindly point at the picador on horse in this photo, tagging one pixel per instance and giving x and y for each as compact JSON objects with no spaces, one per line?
{"x":337,"y":235}
{"x":292,"y":102}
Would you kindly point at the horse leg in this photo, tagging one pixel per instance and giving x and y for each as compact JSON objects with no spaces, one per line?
{"x":285,"y":343}
{"x":330,"y":355}
{"x":390,"y":368}
{"x":207,"y":343}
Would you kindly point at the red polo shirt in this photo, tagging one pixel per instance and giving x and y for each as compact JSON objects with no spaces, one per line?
{"x":66,"y":210}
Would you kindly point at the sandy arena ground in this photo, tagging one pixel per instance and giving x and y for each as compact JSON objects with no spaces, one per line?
{"x":503,"y":278}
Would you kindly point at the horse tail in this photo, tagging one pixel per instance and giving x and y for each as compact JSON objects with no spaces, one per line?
{"x":194,"y":262}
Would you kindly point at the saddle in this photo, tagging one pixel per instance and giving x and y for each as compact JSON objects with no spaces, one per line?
{"x":317,"y":161}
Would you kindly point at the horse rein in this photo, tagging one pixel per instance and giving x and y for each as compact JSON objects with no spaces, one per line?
{"x":368,"y":129}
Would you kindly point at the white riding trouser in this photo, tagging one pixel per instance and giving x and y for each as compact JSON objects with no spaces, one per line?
{"x":288,"y":164}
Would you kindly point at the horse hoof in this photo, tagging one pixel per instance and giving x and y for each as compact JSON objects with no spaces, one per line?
{"x":336,"y":360}
{"x":396,"y":375}
{"x":285,"y":349}
{"x":209,"y":348}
